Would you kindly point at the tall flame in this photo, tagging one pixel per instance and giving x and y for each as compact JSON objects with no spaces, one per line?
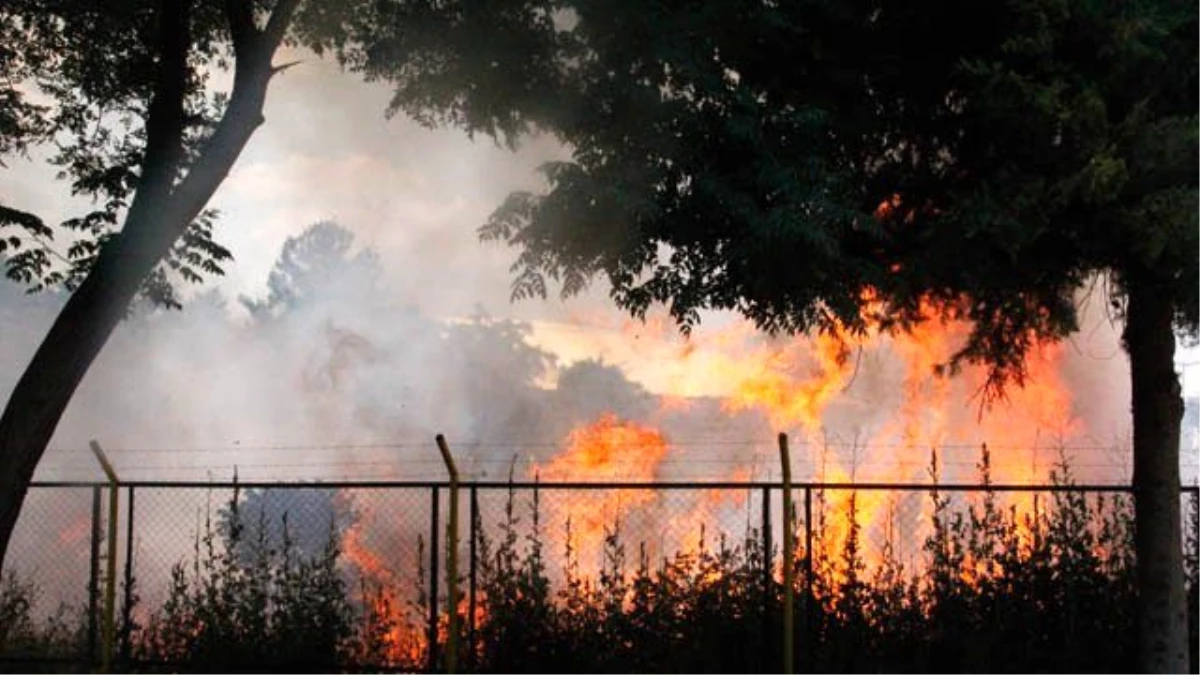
{"x":809,"y":385}
{"x":395,"y":641}
{"x":774,"y":382}
{"x":608,"y":449}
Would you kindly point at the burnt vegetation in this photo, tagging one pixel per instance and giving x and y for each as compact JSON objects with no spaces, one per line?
{"x":992,"y":587}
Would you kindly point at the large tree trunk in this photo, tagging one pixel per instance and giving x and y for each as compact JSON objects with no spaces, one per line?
{"x":1157,"y":412}
{"x":41,"y":395}
{"x":160,"y":212}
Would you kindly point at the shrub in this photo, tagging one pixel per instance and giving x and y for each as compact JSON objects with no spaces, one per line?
{"x":1047,"y":586}
{"x":245,"y":605}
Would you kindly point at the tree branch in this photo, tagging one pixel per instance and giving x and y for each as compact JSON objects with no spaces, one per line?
{"x":275,"y":70}
{"x":242,"y":116}
{"x":159,"y":222}
{"x":165,"y":116}
{"x":241,"y":25}
{"x":281,"y":18}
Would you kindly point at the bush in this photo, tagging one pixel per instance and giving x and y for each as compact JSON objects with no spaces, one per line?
{"x":25,"y":641}
{"x":995,"y":588}
{"x":245,"y":605}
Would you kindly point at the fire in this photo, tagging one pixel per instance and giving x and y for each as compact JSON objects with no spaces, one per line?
{"x":369,"y":564}
{"x":78,"y":531}
{"x":886,"y":387}
{"x":719,"y":498}
{"x":772,"y":383}
{"x":924,"y":410}
{"x":930,"y":412}
{"x":608,"y":449}
{"x":387,"y":627}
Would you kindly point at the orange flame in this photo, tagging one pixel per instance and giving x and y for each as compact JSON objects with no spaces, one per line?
{"x":771,"y":381}
{"x":606,"y":450}
{"x":900,"y":407}
{"x":396,"y":642}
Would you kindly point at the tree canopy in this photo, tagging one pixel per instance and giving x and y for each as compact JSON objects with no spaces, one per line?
{"x":310,"y":264}
{"x":815,"y":164}
{"x":788,"y":160}
{"x":79,"y":84}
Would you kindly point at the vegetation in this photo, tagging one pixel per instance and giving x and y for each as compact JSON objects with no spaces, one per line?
{"x":26,"y":639}
{"x":252,"y":604}
{"x":997,"y":590}
{"x":1048,"y":586}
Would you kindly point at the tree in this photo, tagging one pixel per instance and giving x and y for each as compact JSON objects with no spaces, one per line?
{"x":317,"y":261}
{"x":132,"y":63}
{"x":119,"y":92}
{"x":822,"y":164}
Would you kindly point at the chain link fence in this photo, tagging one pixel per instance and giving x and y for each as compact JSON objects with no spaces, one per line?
{"x":375,"y":555}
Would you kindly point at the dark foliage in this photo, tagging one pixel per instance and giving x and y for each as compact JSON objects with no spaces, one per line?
{"x":1029,"y":582}
{"x":998,"y":589}
{"x":27,"y":641}
{"x":250,"y":603}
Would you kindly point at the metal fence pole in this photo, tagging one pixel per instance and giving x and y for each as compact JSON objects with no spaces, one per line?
{"x":94,"y":578}
{"x":789,"y":591}
{"x":451,"y":559}
{"x":127,"y":610}
{"x":474,"y":533}
{"x":810,"y":629}
{"x":110,"y":574}
{"x":433,"y":579}
{"x":766,"y":580}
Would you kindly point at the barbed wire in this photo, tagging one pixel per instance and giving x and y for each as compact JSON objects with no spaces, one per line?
{"x":86,"y":460}
{"x":669,"y":442}
{"x":723,"y":460}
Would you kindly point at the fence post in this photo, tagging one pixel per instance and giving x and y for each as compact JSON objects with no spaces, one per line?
{"x":451,"y":559}
{"x":110,"y":573}
{"x":788,"y":589}
{"x":94,"y":577}
{"x":474,"y":533}
{"x":126,"y":614}
{"x":766,"y":580}
{"x":433,"y":579}
{"x":767,"y":560}
{"x":809,"y":600}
